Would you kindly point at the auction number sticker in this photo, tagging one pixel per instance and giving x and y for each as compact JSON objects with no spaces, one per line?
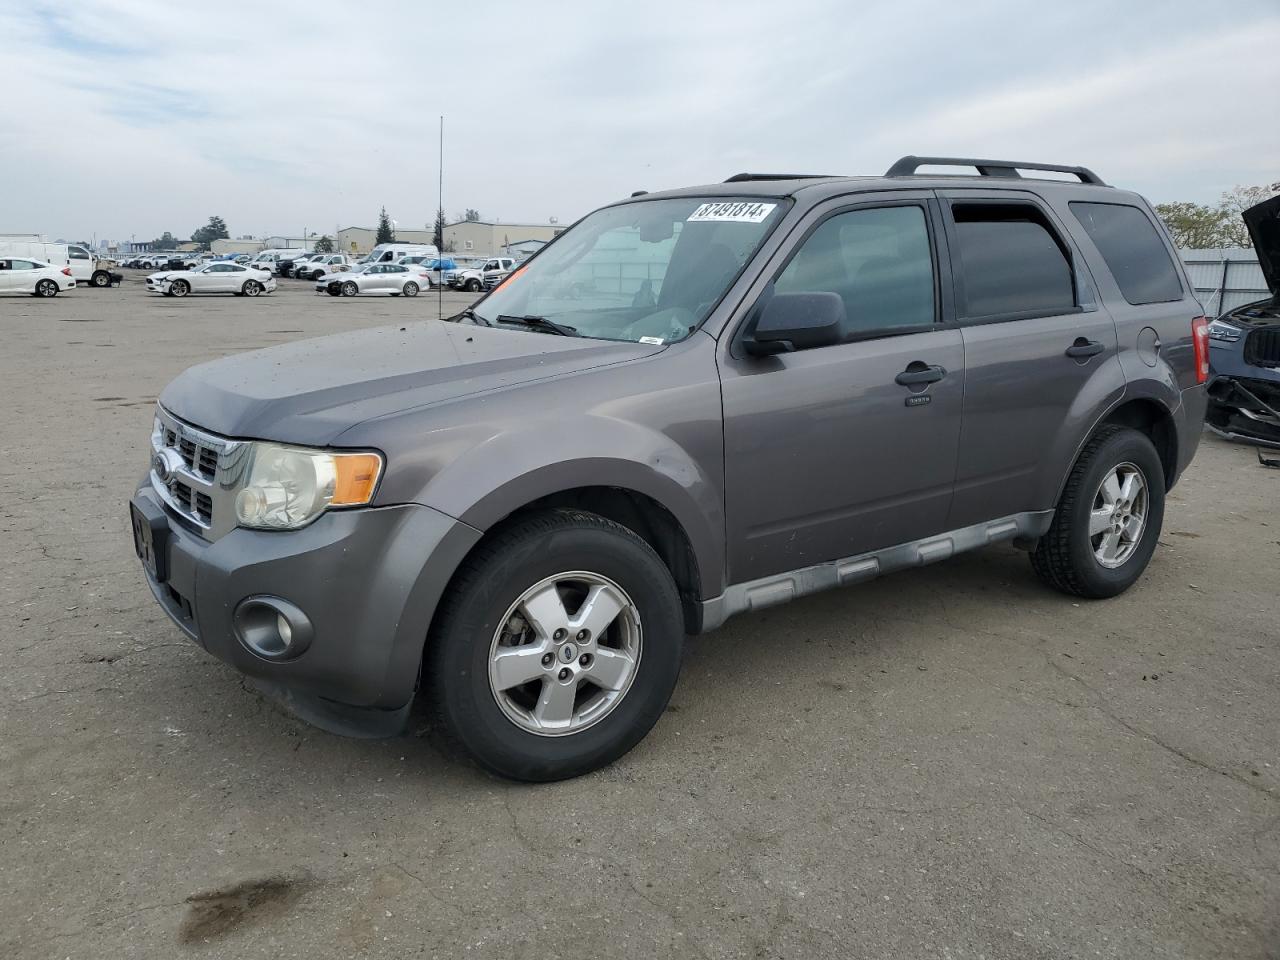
{"x":733,"y":211}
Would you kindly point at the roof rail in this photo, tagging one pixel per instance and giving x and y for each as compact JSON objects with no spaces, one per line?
{"x":748,"y":177}
{"x":907,"y":166}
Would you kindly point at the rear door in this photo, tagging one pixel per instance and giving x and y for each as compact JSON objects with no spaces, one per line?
{"x":1040,"y":351}
{"x":827,"y":453}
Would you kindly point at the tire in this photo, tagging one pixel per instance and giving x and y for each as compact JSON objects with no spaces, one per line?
{"x":179,"y":288}
{"x":251,"y":288}
{"x":100,"y":279}
{"x":46,"y":288}
{"x":349,"y":288}
{"x":410,"y":289}
{"x":472,"y":286}
{"x":497,"y":727}
{"x":1068,"y":557}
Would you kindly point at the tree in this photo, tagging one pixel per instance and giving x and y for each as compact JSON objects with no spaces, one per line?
{"x":1199,"y":226}
{"x":472,"y":215}
{"x":1237,"y":200}
{"x":1194,"y":225}
{"x":215,"y":229}
{"x":438,"y":237}
{"x":166,"y":242}
{"x":323,"y":245}
{"x":385,"y":233}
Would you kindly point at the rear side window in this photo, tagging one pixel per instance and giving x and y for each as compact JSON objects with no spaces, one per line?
{"x":1012,"y":263}
{"x":1135,"y":255}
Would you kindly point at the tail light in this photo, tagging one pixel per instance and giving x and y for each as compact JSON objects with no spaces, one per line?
{"x":67,"y":271}
{"x":1200,"y":340}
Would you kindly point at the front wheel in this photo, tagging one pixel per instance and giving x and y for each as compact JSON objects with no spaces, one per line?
{"x":101,"y":279}
{"x":557,"y":647}
{"x":473,"y":285}
{"x":179,"y":288}
{"x":1108,"y":518}
{"x":251,"y":288}
{"x":349,"y":289}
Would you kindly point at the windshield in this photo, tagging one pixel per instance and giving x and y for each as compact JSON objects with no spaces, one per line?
{"x":650,"y":270}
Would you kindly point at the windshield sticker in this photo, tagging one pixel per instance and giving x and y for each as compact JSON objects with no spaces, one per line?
{"x":655,"y":340}
{"x":734,"y":211}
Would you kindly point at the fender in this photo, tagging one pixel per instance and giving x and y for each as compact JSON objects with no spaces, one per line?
{"x":1162,"y":392}
{"x":541,"y":457}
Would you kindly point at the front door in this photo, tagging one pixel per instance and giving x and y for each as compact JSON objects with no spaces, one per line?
{"x":838,"y":450}
{"x":1040,"y":352}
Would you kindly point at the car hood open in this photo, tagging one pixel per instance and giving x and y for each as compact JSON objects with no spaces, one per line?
{"x":310,"y":391}
{"x":1263,"y":221}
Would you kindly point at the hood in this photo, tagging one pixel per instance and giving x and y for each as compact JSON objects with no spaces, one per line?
{"x":1263,"y":221}
{"x":310,"y":391}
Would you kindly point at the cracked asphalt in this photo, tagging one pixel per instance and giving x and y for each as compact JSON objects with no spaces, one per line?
{"x":951,"y":763}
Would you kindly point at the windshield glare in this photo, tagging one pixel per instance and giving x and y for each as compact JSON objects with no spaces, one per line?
{"x":648,"y":270}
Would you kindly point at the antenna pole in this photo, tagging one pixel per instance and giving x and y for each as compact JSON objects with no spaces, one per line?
{"x":439,"y":211}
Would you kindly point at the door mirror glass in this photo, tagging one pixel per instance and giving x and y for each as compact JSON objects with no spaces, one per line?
{"x":797,"y":321}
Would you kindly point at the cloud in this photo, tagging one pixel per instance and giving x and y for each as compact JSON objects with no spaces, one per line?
{"x":144,"y":118}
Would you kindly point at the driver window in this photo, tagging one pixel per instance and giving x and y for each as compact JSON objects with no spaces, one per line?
{"x":877,"y":260}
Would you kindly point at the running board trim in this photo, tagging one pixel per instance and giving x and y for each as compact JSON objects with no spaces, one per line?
{"x":781,"y":587}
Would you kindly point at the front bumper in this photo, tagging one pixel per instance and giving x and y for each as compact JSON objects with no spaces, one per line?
{"x":1244,"y":408}
{"x":368,"y":580}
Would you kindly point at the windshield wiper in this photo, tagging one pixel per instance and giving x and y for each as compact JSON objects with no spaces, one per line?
{"x":541,"y":324}
{"x":469,"y":314}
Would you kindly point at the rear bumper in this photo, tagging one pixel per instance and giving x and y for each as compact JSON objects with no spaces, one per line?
{"x":368,"y":581}
{"x":1189,"y":423}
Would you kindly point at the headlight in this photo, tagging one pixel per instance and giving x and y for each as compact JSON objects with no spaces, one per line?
{"x":288,"y":487}
{"x":1224,"y":332}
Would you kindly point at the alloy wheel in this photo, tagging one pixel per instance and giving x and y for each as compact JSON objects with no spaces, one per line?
{"x":1119,"y":515}
{"x":565,"y":653}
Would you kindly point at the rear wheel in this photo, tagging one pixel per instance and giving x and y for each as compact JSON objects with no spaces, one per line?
{"x":251,"y":288}
{"x":46,"y":288}
{"x":349,"y":289}
{"x":410,"y":289}
{"x":557,"y":647}
{"x":1108,"y":519}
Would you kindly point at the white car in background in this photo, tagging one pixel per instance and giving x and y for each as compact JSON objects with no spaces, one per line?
{"x":319,"y":264}
{"x":34,"y":277}
{"x":220,"y":276}
{"x":371,"y":278}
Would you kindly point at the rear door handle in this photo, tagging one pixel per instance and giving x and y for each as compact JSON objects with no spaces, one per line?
{"x":1084,"y":348}
{"x":918,"y":373}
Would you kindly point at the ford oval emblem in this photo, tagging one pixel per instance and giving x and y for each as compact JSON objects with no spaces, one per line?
{"x":161,"y":467}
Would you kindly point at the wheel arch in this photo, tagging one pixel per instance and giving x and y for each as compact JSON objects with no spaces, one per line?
{"x":1150,"y":416}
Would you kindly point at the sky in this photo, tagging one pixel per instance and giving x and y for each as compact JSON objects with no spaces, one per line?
{"x":127,"y":118}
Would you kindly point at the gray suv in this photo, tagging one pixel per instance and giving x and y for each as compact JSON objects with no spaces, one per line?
{"x":691,"y":404}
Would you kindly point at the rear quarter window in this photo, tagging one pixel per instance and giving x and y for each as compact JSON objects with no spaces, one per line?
{"x":1132,"y":249}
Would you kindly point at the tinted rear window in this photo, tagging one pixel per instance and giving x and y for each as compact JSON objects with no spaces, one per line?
{"x":1137,"y":258}
{"x":1011,"y":261}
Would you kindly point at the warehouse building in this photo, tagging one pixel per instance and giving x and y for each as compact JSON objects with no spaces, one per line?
{"x":360,"y":240}
{"x":482,"y":238}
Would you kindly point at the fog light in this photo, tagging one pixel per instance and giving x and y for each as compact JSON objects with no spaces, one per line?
{"x":272,"y":628}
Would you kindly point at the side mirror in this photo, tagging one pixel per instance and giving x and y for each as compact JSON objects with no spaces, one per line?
{"x":797,"y":321}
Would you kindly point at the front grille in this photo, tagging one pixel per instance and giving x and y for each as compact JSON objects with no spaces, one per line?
{"x":1262,"y":348}
{"x":196,"y":474}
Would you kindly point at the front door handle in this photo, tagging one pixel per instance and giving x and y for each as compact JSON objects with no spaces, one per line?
{"x":1084,"y":348}
{"x":918,"y":373}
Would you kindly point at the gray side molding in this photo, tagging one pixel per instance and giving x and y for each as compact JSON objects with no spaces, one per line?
{"x":781,"y":587}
